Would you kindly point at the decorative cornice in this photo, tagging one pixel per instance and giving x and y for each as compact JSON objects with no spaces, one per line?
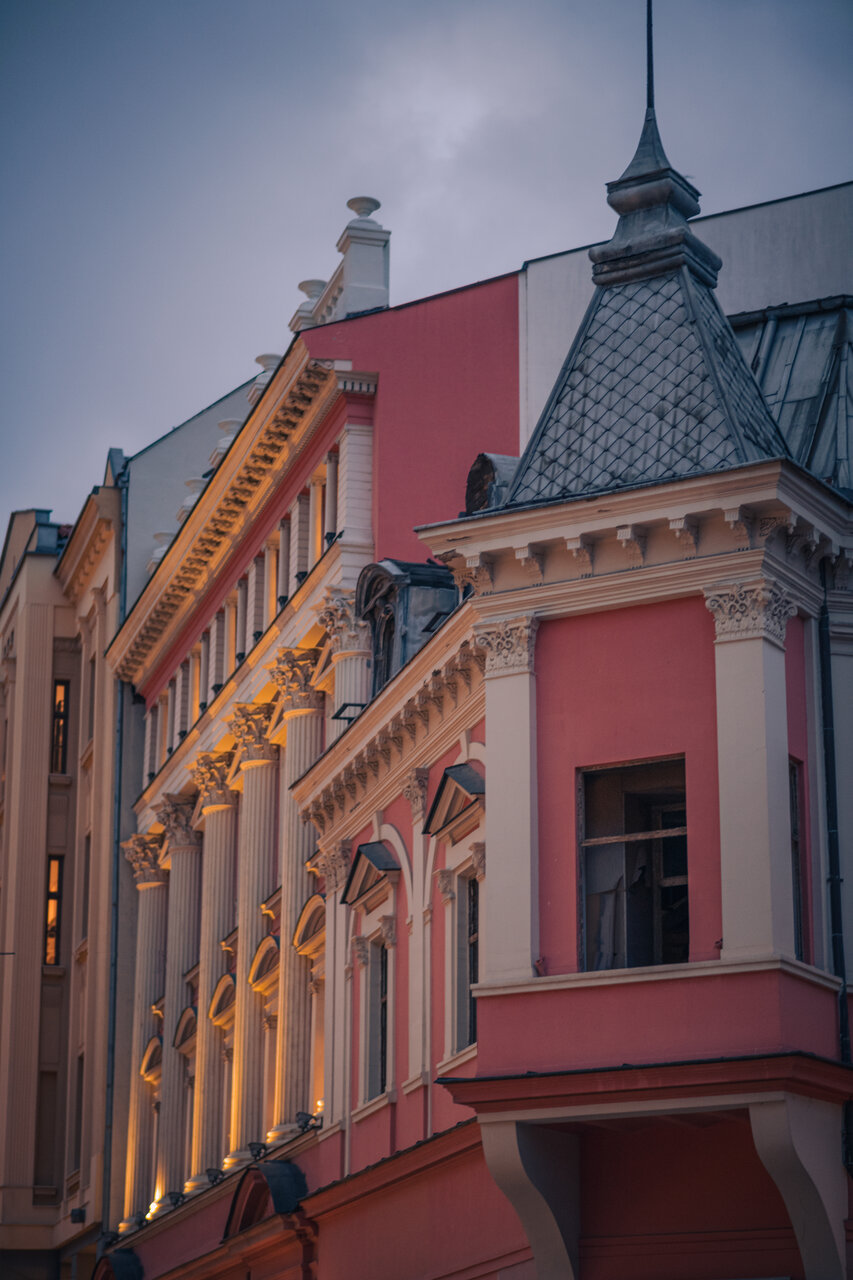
{"x":347,"y":633}
{"x":143,"y":854}
{"x":757,"y":609}
{"x":210,"y":773}
{"x":176,"y":816}
{"x":392,"y":741}
{"x":509,"y":644}
{"x":277,"y":431}
{"x":249,"y":722}
{"x":291,"y":672}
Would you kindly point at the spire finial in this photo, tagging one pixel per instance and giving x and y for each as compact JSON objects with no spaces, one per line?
{"x":650,"y":60}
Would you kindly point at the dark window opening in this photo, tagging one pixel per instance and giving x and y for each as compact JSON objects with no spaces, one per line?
{"x":378,"y":1028}
{"x":633,"y":840}
{"x":473,"y":957}
{"x":383,"y":654}
{"x":84,"y":905}
{"x":77,"y":1142}
{"x":53,"y":911}
{"x":59,"y":738}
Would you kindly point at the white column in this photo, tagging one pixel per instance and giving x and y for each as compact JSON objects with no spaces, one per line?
{"x":182,"y":702}
{"x":299,"y":541}
{"x":350,"y":647}
{"x":512,"y":810}
{"x":257,"y":845}
{"x":270,"y":606}
{"x":230,"y":638}
{"x":204,"y":672}
{"x":284,"y":577}
{"x":315,"y":520}
{"x":218,"y":807}
{"x":303,"y":716}
{"x":242,"y":643}
{"x":752,"y":755}
{"x":330,"y":523}
{"x":217,"y":655}
{"x":149,"y":756}
{"x":171,"y":718}
{"x":143,"y":854}
{"x":355,"y":487}
{"x":183,"y":851}
{"x":255,"y":603}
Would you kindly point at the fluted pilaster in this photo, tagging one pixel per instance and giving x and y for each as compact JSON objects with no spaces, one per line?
{"x":183,"y":851}
{"x":350,"y":646}
{"x":218,"y":806}
{"x":255,"y":859}
{"x":303,"y":716}
{"x":142,"y":852}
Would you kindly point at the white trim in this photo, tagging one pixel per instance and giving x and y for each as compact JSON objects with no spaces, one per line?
{"x":663,"y":973}
{"x":374,"y":1104}
{"x":456,"y":1059}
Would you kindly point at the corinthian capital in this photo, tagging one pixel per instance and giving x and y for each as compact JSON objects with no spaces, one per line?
{"x":209,"y":773}
{"x":176,"y":817}
{"x":333,"y":864}
{"x":347,"y":633}
{"x":509,"y":644}
{"x":143,"y":854}
{"x":292,"y":672}
{"x":758,"y":609}
{"x":249,"y":723}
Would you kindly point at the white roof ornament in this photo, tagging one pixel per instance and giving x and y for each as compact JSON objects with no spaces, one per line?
{"x":360,"y":282}
{"x":268,"y":362}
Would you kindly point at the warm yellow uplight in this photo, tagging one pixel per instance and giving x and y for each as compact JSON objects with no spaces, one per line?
{"x":318,"y":1106}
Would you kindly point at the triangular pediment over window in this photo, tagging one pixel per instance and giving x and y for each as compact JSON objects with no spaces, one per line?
{"x":459,"y":803}
{"x":375,"y":870}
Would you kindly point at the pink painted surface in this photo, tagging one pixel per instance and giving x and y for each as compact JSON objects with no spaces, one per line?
{"x":798,"y":749}
{"x":671,"y":1020}
{"x":664,"y":1200}
{"x":439,"y":1223}
{"x":615,"y":687}
{"x":448,"y":390}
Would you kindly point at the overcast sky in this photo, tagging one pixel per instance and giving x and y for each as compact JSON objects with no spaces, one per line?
{"x":172,"y":168}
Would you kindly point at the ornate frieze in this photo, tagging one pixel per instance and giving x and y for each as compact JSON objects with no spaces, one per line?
{"x":478,"y":859}
{"x":249,"y":724}
{"x":581,"y":548}
{"x":360,"y":951}
{"x":750,"y":610}
{"x":143,"y":854}
{"x":686,"y":530}
{"x":210,"y":773}
{"x":292,"y":672}
{"x":176,"y":815}
{"x":446,"y":884}
{"x":347,"y":633}
{"x":633,"y":540}
{"x":508,"y":644}
{"x":388,"y":930}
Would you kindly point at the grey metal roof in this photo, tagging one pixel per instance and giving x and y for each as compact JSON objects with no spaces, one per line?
{"x":802,"y":360}
{"x":655,"y":386}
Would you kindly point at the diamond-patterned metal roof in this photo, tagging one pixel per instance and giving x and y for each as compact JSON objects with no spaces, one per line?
{"x":655,"y":386}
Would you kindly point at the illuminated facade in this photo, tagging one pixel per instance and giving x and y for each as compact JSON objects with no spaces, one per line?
{"x":488,"y":864}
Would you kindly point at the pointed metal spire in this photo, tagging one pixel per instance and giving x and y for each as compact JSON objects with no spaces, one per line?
{"x":654,"y":202}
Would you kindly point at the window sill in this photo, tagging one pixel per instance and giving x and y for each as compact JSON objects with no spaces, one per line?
{"x":415,"y":1082}
{"x":60,"y":779}
{"x":448,"y":1065}
{"x":373,"y":1105}
{"x":658,"y":973}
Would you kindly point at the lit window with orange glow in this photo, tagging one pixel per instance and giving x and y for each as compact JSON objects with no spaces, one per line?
{"x":53,"y":911}
{"x":59,"y":737}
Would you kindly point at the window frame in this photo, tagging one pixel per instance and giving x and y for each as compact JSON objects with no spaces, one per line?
{"x":654,"y":836}
{"x":60,"y":725}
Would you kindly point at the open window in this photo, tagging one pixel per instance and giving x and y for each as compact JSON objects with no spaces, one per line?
{"x":633,"y":846}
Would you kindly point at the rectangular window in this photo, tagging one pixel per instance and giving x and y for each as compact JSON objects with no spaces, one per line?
{"x":795,"y":789}
{"x":633,"y":841}
{"x":59,"y":739}
{"x":47,"y":1118}
{"x":467,"y":959}
{"x":53,"y":911}
{"x":378,"y":1020}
